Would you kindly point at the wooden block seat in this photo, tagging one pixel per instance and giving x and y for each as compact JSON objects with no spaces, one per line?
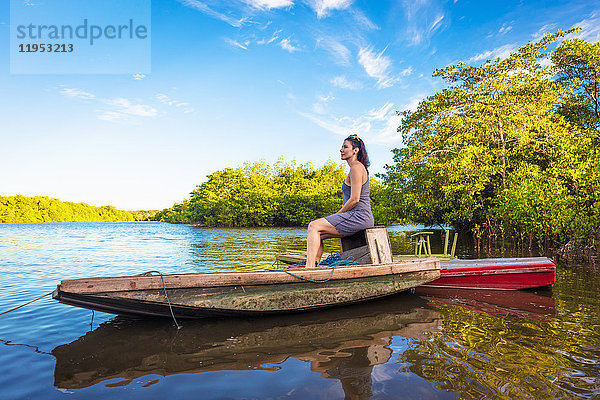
{"x":369,"y":246}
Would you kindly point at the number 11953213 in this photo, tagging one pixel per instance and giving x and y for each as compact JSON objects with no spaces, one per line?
{"x":45,"y":48}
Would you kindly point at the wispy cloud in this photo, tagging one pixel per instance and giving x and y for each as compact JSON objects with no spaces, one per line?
{"x":377,"y":66}
{"x":590,"y":28}
{"x":363,"y":20}
{"x":339,"y":53}
{"x":269,"y":4}
{"x":206,"y":9}
{"x":378,"y":125}
{"x":269,"y":40}
{"x":120,"y":109}
{"x":163,"y":98}
{"x":78,"y":93}
{"x":343,"y":83}
{"x":123,"y":109}
{"x":138,"y":77}
{"x":545,"y":29}
{"x":287,"y":45}
{"x":498,"y":52}
{"x":323,"y":7}
{"x":235,"y":43}
{"x":424,"y":18}
{"x":505,"y":28}
{"x":321,"y":105}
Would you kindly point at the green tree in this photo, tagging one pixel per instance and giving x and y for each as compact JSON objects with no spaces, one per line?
{"x":491,"y":150}
{"x":44,"y":209}
{"x":257,"y":194}
{"x":578,"y":65}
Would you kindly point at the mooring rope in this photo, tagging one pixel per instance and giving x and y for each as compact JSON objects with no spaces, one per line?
{"x":149,"y":273}
{"x":23,"y":305}
{"x":334,"y":264}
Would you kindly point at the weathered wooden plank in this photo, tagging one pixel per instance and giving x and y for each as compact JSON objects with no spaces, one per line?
{"x":379,"y":245}
{"x":361,"y":255}
{"x":375,"y":239}
{"x":268,"y":299}
{"x":126,"y":283}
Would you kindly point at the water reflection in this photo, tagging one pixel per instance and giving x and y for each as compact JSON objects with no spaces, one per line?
{"x":535,"y":305}
{"x":506,"y":345}
{"x":342,"y":344}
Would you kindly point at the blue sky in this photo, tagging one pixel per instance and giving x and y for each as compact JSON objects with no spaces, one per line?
{"x":248,"y":80}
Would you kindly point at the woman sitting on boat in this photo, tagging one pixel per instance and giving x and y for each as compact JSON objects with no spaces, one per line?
{"x":355,"y":214}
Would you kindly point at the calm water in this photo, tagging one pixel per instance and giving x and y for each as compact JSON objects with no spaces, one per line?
{"x":543,"y":344}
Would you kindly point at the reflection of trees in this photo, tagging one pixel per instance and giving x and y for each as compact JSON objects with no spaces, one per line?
{"x":480,"y":355}
{"x":246,"y":248}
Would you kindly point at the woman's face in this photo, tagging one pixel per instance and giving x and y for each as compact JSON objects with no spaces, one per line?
{"x":346,"y":152}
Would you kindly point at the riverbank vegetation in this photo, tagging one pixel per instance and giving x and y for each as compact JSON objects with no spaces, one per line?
{"x":510,"y":149}
{"x":507,"y":150}
{"x":259,"y":194}
{"x":44,"y":209}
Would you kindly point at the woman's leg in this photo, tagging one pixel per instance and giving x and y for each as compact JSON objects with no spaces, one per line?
{"x":318,"y":230}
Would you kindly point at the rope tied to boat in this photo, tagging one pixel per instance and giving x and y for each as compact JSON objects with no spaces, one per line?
{"x":333,"y":260}
{"x":24,"y":304}
{"x":153,"y":273}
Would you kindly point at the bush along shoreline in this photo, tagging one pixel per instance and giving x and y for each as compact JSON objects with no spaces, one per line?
{"x":31,"y":209}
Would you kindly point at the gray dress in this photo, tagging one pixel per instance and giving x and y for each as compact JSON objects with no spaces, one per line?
{"x":357,"y":219}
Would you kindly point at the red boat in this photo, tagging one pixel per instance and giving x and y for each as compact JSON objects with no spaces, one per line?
{"x":496,"y":274}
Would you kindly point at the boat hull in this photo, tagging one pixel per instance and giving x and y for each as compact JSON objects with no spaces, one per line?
{"x":496,"y":274}
{"x":244,"y":293}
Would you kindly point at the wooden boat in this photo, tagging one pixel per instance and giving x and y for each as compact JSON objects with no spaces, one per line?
{"x":496,"y":273}
{"x":245,"y":293}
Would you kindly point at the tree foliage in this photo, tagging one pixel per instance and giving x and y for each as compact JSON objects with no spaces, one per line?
{"x":44,"y":209}
{"x":503,"y":146}
{"x":257,"y":194}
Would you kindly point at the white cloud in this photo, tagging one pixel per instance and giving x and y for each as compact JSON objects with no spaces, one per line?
{"x":80,"y":94}
{"x":544,"y":30}
{"x":590,"y":28}
{"x":235,"y":43}
{"x":407,"y":71}
{"x":323,"y":7}
{"x":163,"y":98}
{"x":377,"y":66}
{"x":498,"y":52}
{"x":363,"y":20}
{"x":273,"y":38}
{"x":424,"y":18}
{"x":505,"y":28}
{"x":320,"y":107}
{"x":269,"y":4}
{"x":139,"y":77}
{"x":378,"y":125}
{"x":340,"y":53}
{"x":125,"y":110}
{"x":286,"y":44}
{"x":342,"y":82}
{"x":123,"y":107}
{"x":202,"y":7}
{"x":436,"y":24}
{"x":325,"y":99}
